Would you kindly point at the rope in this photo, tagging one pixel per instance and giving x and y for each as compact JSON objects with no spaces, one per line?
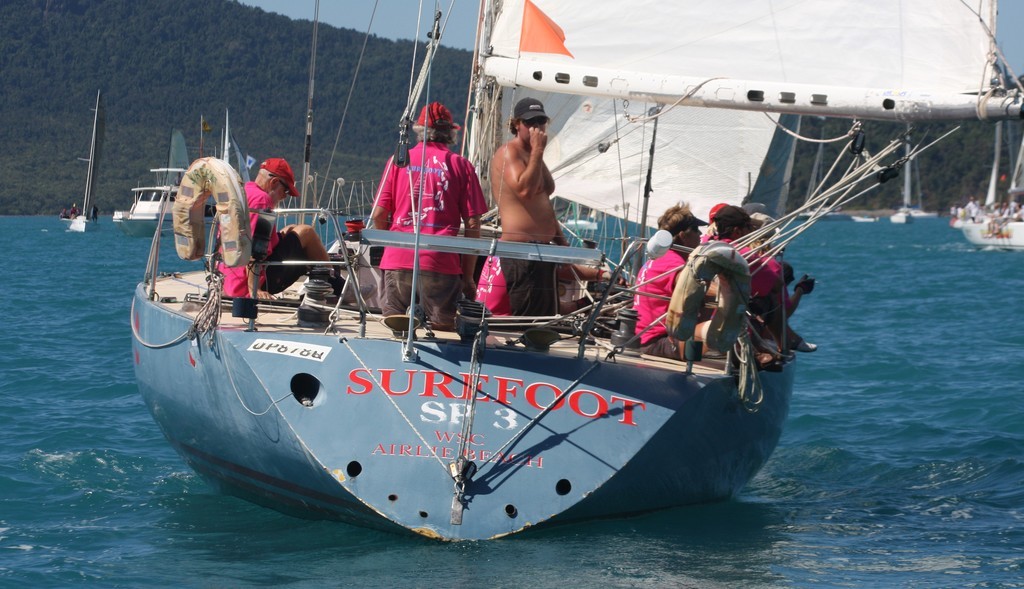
{"x":463,"y":469}
{"x":348,"y":99}
{"x":849,"y":134}
{"x":238,"y":395}
{"x":475,"y":367}
{"x":995,"y":50}
{"x":638,"y":118}
{"x":206,"y":320}
{"x":208,"y":317}
{"x":748,"y":387}
{"x":153,"y":346}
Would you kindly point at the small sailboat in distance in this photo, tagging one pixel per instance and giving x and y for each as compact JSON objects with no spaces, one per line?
{"x":87,"y":216}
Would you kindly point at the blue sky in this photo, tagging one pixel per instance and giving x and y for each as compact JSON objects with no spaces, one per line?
{"x":397,"y":19}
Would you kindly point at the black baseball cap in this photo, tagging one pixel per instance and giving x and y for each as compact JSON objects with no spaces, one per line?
{"x":528,"y":109}
{"x":688,"y":222}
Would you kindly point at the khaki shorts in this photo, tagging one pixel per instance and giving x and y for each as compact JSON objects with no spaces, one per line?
{"x":436,"y":294}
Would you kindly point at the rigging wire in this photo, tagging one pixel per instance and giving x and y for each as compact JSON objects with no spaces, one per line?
{"x":348,"y":99}
{"x":308,"y":146}
{"x":994,"y":52}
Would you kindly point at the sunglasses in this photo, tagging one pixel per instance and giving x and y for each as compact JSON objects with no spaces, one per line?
{"x":538,"y":122}
{"x":281,"y":183}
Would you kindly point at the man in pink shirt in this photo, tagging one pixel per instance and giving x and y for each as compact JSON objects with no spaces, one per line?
{"x":274,"y":183}
{"x":440,"y":191}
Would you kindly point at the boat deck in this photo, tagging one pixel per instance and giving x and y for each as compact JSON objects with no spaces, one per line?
{"x":185,"y":293}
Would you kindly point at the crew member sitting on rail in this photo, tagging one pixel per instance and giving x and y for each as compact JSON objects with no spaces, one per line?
{"x":274,"y":183}
{"x":657,"y":279}
{"x":732,"y":223}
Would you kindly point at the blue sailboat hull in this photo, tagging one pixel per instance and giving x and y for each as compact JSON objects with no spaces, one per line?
{"x":343,"y":427}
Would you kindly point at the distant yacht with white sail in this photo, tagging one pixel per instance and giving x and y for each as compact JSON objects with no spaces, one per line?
{"x":87,"y":215}
{"x":1001,"y":224}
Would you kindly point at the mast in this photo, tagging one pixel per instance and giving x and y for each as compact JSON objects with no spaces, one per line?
{"x":226,"y":150}
{"x":94,"y":153}
{"x":990,"y":196}
{"x":907,"y":177}
{"x":650,"y":171}
{"x":308,"y":144}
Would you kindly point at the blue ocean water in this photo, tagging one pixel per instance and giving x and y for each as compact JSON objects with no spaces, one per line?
{"x":902,"y":462}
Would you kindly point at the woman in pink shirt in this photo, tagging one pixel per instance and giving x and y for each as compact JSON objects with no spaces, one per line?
{"x":657,"y":280}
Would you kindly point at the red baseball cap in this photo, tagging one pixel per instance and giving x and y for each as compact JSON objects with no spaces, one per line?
{"x":280,"y":168}
{"x":715,"y":209}
{"x":440,"y":117}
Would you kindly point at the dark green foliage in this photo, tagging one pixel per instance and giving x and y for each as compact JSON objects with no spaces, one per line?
{"x":163,"y":65}
{"x":955,"y":168}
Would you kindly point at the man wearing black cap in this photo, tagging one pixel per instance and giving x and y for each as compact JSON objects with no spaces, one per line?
{"x":521,"y":185}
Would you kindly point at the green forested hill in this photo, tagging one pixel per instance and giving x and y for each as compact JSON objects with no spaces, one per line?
{"x":163,"y":65}
{"x":955,"y":168}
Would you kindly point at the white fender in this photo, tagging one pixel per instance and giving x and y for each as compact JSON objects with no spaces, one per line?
{"x":207,"y":177}
{"x":707,"y":261}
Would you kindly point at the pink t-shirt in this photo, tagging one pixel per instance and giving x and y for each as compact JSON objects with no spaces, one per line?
{"x":762,"y":280}
{"x":451,"y":193}
{"x":235,"y":282}
{"x":491,"y":289}
{"x":765,"y":275}
{"x":650,"y":309}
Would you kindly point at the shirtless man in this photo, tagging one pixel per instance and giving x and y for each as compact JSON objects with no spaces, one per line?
{"x":522,"y":185}
{"x":521,"y":182}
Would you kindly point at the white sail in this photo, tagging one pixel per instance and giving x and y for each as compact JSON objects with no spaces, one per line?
{"x":702,"y":156}
{"x":1017,"y":179}
{"x":79,"y":223}
{"x":230,"y":150}
{"x":225,"y":152}
{"x":177,"y":157}
{"x":907,"y":60}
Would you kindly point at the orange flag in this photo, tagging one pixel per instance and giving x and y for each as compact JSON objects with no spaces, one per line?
{"x":540,"y":34}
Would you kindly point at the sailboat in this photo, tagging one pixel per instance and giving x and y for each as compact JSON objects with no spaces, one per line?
{"x":88,"y":216}
{"x":1000,"y":227}
{"x":903,"y":215}
{"x":329,"y":410}
{"x":231,"y":151}
{"x":151,"y":204}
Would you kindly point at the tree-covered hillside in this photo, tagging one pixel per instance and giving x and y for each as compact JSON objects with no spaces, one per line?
{"x":957,"y":167}
{"x":163,"y":65}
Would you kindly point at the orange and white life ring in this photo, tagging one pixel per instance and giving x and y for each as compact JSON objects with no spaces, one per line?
{"x":207,"y":177}
{"x":707,"y":261}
